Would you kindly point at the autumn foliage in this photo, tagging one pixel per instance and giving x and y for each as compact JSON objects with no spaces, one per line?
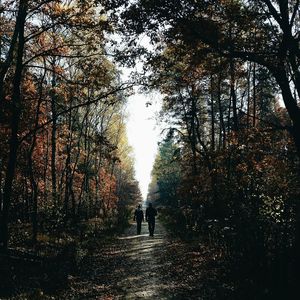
{"x":62,"y":133}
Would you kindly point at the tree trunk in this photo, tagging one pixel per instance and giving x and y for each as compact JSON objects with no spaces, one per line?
{"x":291,"y":106}
{"x":222,"y":123}
{"x":53,"y":138}
{"x":294,"y":113}
{"x":233,"y":95}
{"x":254,"y":94}
{"x":34,"y":193}
{"x":193,"y":137}
{"x":249,"y":94}
{"x":34,"y":185}
{"x":15,"y":119}
{"x":10,"y":54}
{"x":68,"y":167}
{"x":212,"y":113}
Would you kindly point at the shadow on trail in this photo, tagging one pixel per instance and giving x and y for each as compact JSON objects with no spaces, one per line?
{"x":143,"y":267}
{"x":142,"y":278}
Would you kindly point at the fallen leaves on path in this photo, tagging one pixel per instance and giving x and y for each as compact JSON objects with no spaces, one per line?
{"x":142,"y":267}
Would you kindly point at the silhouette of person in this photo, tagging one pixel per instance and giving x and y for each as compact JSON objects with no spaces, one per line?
{"x":139,"y":218}
{"x":151,"y":212}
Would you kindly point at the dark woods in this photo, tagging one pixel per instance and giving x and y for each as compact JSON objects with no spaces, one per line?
{"x":228,"y":168}
{"x":66,"y":168}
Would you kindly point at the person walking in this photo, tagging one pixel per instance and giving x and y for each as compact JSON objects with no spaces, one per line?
{"x":151,"y":213}
{"x":139,"y":218}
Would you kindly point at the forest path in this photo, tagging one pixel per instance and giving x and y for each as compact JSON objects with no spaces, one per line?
{"x":143,"y":267}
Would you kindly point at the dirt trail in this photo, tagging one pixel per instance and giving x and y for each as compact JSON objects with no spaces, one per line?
{"x":128,"y":268}
{"x":142,"y":267}
{"x":143,"y":280}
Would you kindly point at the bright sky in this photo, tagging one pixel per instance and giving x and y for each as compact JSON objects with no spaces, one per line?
{"x":142,"y":129}
{"x":143,"y":135}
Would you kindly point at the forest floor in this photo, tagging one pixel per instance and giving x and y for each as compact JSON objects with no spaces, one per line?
{"x":106,"y":266}
{"x":134,"y":266}
{"x":125,"y":266}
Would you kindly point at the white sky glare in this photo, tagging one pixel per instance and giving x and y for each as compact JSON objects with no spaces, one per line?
{"x":143,"y":135}
{"x":142,"y":129}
